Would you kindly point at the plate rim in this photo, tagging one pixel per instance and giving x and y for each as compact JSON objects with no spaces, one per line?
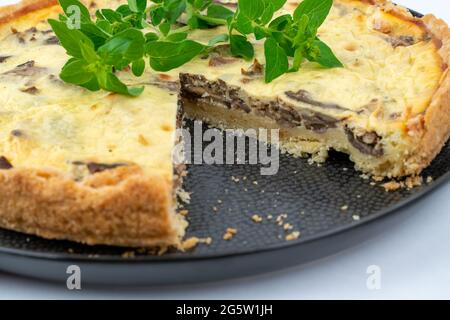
{"x":212,"y":256}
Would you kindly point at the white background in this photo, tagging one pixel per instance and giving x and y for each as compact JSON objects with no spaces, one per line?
{"x":414,"y":257}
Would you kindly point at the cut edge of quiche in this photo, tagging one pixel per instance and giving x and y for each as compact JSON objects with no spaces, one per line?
{"x":127,"y":205}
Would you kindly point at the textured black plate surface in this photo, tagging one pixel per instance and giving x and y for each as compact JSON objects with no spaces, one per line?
{"x":311,"y":196}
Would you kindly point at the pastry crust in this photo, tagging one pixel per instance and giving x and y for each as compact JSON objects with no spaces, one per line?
{"x":430,"y":130}
{"x":117,"y":207}
{"x":11,"y":12}
{"x":436,"y":120}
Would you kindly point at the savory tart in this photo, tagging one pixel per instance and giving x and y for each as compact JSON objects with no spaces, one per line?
{"x":96,"y":167}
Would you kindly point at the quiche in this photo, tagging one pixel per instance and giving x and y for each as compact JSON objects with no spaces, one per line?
{"x":96,"y":167}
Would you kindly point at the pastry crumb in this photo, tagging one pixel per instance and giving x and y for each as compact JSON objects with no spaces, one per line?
{"x":193,"y":242}
{"x":162,"y":251}
{"x":256,"y":218}
{"x":356,"y":217}
{"x":229,"y":234}
{"x":409,"y":183}
{"x":288,"y":226}
{"x":280,"y":219}
{"x":392,"y":186}
{"x":344,"y":208}
{"x":365,"y":176}
{"x":293,"y":236}
{"x":128,"y":255}
{"x":184,"y":212}
{"x":185,"y":197}
{"x":414,"y":181}
{"x":429,"y":179}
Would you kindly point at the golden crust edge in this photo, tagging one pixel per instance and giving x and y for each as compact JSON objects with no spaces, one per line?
{"x":121,"y":207}
{"x":433,"y":126}
{"x":436,"y":120}
{"x":30,"y":206}
{"x":12,"y":12}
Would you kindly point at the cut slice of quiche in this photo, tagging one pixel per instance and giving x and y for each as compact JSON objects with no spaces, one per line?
{"x":97,"y":168}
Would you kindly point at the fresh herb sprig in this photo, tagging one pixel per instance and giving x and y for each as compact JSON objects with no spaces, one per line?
{"x":158,"y":30}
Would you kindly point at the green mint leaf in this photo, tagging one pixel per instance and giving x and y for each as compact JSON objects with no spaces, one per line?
{"x":165,"y":56}
{"x":137,"y":5}
{"x":277,"y":4}
{"x":157,"y":15}
{"x":277,"y":62}
{"x":326,"y":56}
{"x":218,"y":39}
{"x":243,"y":24}
{"x":241,"y":47}
{"x":260,"y":33}
{"x":109,"y":81}
{"x":138,"y":67}
{"x":110,"y":15}
{"x":174,"y":9}
{"x":105,"y":26}
{"x":177,"y":37}
{"x":205,"y":22}
{"x":124,"y":10}
{"x":281,"y":23}
{"x":69,"y":39}
{"x":219,"y":12}
{"x":252,"y":9}
{"x":123,"y":48}
{"x":151,"y":36}
{"x":316,"y":10}
{"x":201,"y":4}
{"x":67,"y":6}
{"x":95,"y":33}
{"x":165,"y":28}
{"x":284,"y":42}
{"x":91,"y":85}
{"x":88,"y":52}
{"x":268,"y":13}
{"x":74,"y":71}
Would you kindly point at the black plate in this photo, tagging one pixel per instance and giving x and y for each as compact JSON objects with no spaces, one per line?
{"x":311,"y":196}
